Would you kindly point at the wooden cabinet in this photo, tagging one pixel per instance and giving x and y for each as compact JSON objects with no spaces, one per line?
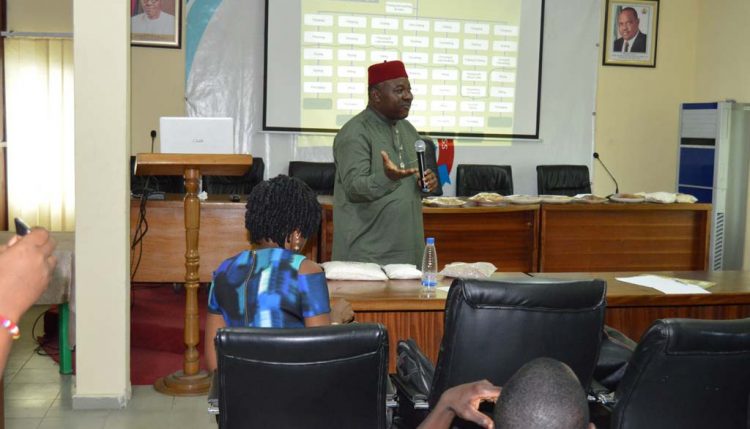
{"x":624,"y":237}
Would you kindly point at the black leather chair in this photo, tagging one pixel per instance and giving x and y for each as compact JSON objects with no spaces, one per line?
{"x":567,"y":180}
{"x":325,"y":377}
{"x":319,"y":176}
{"x":687,"y":373}
{"x":493,"y":327}
{"x":472,"y":179}
{"x":235,"y":185}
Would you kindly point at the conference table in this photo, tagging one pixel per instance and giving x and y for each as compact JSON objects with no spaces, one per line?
{"x":515,"y":238}
{"x":506,"y":235}
{"x":401,"y":306}
{"x":539,"y":240}
{"x":563,"y":237}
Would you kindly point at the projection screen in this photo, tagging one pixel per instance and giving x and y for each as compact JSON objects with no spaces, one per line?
{"x":474,"y":66}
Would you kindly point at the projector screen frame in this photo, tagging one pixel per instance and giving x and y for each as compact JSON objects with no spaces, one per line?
{"x":442,"y":134}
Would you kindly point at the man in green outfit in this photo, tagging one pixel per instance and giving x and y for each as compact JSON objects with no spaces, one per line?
{"x":377,"y":210}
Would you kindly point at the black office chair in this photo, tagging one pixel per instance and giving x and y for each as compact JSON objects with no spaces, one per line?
{"x":325,"y":377}
{"x":493,"y":327}
{"x":687,"y":373}
{"x":567,"y":180}
{"x":235,"y":185}
{"x":320,"y":176}
{"x":472,"y":179}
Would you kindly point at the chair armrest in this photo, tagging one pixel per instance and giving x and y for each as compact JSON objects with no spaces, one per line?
{"x":406,"y":392}
{"x":390,"y":394}
{"x":413,"y":368}
{"x":213,"y":394}
{"x":601,"y":395}
{"x":614,"y":353}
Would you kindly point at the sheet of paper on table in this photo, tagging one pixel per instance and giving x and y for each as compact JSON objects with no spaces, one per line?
{"x":666,"y":285}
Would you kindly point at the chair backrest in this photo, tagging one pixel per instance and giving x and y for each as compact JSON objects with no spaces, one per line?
{"x":472,"y":179}
{"x":319,"y":176}
{"x":492,"y":328}
{"x":240,"y":185}
{"x":325,"y":377}
{"x":687,"y":373}
{"x":567,"y":180}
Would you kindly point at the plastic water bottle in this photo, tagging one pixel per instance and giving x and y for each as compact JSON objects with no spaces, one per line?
{"x":429,"y":265}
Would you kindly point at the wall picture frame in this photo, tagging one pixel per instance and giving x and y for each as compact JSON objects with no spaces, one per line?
{"x":156,"y":23}
{"x":630,"y":33}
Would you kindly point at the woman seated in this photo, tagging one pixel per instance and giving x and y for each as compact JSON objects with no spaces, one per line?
{"x":272,"y":285}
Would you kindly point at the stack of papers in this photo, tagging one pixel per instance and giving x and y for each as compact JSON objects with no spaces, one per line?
{"x":666,"y":285}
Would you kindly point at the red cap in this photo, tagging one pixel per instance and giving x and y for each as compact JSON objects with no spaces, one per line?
{"x":386,"y":70}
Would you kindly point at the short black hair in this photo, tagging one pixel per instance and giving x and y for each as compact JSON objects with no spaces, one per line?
{"x":544,"y":393}
{"x":279,"y":206}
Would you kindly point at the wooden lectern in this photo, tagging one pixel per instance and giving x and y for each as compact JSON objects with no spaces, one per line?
{"x":191,"y":380}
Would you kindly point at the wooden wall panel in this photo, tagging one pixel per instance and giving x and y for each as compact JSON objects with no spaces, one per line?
{"x":222,"y":235}
{"x":633,"y":321}
{"x":620,"y":237}
{"x":426,"y":327}
{"x":553,"y":238}
{"x":506,"y":236}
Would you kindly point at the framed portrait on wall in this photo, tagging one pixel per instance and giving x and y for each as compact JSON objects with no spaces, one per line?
{"x":630,"y":32}
{"x":155,"y":23}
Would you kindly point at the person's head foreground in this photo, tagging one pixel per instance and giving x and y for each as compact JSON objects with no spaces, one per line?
{"x":543,"y":394}
{"x":389,"y":91}
{"x":283,"y":211}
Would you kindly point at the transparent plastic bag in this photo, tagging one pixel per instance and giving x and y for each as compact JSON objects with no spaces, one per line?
{"x":475,"y":270}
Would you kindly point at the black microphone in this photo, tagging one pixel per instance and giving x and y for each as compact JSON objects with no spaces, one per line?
{"x":420,"y":146}
{"x":617,"y":187}
{"x":153,"y":136}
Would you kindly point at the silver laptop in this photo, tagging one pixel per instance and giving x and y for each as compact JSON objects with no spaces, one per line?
{"x":196,"y":135}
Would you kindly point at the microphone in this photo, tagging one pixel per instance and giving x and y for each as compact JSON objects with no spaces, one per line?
{"x":617,"y":187}
{"x":419,"y":146}
{"x":153,"y":136}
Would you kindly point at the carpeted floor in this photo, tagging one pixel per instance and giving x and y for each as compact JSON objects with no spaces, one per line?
{"x":156,"y":331}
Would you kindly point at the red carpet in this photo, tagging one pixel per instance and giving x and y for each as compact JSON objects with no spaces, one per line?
{"x":157,"y":318}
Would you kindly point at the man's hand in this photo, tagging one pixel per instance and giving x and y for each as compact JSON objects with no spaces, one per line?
{"x":26,"y":265}
{"x":341,"y":311}
{"x":392,"y":171}
{"x":462,"y":401}
{"x":431,"y":179}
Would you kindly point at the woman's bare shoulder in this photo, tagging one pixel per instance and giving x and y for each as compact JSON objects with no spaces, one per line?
{"x":309,"y":267}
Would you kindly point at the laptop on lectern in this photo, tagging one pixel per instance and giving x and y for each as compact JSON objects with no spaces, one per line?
{"x":196,"y":135}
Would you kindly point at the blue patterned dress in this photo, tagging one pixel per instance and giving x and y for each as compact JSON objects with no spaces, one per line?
{"x":275,"y":295}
